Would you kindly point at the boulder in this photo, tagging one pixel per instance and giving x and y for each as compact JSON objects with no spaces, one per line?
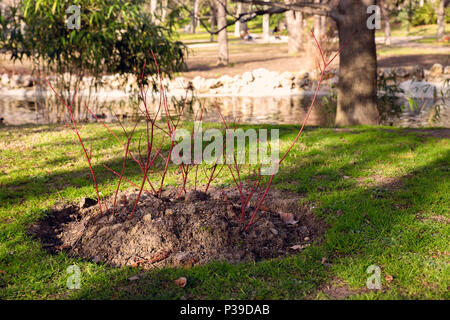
{"x":248,"y":77}
{"x":418,"y":72}
{"x":260,"y":73}
{"x":5,"y":79}
{"x":402,"y":72}
{"x":436,"y":70}
{"x":447,"y":70}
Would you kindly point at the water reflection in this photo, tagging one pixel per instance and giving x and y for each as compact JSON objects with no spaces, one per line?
{"x":273,"y":110}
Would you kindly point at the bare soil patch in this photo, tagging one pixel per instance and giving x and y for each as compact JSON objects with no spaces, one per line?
{"x":195,"y":229}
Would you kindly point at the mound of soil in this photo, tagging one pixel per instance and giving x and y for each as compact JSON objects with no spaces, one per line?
{"x":195,"y":229}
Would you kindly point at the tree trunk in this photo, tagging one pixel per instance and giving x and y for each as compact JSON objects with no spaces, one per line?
{"x":266,"y":28}
{"x":441,"y":20}
{"x":195,"y":15}
{"x":294,"y":21}
{"x":317,"y":31}
{"x":222,"y":38}
{"x":323,"y":26}
{"x":357,"y":88}
{"x":237,"y":26}
{"x":213,"y":21}
{"x":387,"y":25}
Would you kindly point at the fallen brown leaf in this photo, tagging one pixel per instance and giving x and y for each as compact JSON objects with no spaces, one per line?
{"x":299,"y":246}
{"x":389,"y":278}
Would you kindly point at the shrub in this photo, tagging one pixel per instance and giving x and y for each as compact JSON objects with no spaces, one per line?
{"x":115,"y":35}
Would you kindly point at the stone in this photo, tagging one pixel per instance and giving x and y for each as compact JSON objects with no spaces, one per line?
{"x":302,"y":75}
{"x":260,"y":73}
{"x":304,"y":83}
{"x":248,"y":77}
{"x":5,"y":79}
{"x":334,"y":81}
{"x":402,"y":72}
{"x":287,"y":76}
{"x":436,"y":70}
{"x":447,"y":70}
{"x":418,"y":72}
{"x":147,"y":218}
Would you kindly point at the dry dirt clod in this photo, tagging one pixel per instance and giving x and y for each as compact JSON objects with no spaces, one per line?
{"x":195,"y":195}
{"x":147,"y":218}
{"x":87,"y":202}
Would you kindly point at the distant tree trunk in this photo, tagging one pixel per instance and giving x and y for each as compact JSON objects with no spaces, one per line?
{"x":441,"y":20}
{"x":317,"y":31}
{"x":266,"y":28}
{"x":294,"y":21}
{"x":323,"y":25}
{"x":237,"y":26}
{"x":153,"y":6}
{"x":222,"y":38}
{"x":387,"y":25}
{"x":213,"y":20}
{"x":357,"y":88}
{"x":195,"y":15}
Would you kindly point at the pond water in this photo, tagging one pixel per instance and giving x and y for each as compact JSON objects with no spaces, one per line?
{"x":273,"y":110}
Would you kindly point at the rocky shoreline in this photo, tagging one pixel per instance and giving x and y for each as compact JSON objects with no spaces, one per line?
{"x":259,"y":82}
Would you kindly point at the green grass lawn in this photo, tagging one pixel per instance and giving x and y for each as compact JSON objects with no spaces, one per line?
{"x":398,"y":31}
{"x":383,"y":193}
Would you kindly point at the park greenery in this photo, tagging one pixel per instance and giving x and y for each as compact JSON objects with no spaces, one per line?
{"x":114,"y":37}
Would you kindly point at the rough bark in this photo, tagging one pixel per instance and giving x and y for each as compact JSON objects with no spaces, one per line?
{"x":387,"y":26}
{"x":222,"y":38}
{"x":441,"y":20}
{"x":357,"y":88}
{"x":294,"y":21}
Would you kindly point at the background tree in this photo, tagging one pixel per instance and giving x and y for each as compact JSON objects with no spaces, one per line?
{"x":440,"y":12}
{"x":294,"y":22}
{"x":222,"y":38}
{"x":384,"y":6}
{"x":357,"y":88}
{"x":114,"y":37}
